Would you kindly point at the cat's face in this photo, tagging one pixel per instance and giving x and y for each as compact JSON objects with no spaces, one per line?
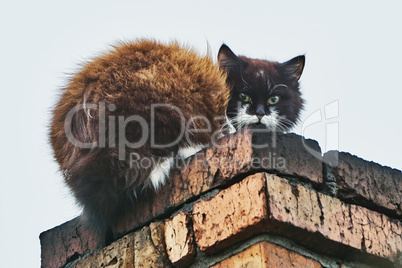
{"x":264,"y":94}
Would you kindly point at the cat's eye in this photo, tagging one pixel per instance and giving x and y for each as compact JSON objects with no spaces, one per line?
{"x":273,"y":100}
{"x":245,"y":97}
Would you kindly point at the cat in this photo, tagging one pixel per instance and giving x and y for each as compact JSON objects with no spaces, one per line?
{"x":265,"y":94}
{"x":126,"y":115}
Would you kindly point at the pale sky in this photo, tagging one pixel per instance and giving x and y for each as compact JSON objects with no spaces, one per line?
{"x":353,"y":59}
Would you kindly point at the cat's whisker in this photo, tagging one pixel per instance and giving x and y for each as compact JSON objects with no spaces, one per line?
{"x":284,"y":124}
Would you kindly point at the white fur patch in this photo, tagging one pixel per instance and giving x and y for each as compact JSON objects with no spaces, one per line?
{"x":243,"y":118}
{"x":271,"y":121}
{"x":189,"y":151}
{"x":160,"y":172}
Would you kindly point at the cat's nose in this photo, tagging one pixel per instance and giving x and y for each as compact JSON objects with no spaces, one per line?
{"x":260,"y":111}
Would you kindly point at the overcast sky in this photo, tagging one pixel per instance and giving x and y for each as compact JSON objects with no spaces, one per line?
{"x":353,"y":67}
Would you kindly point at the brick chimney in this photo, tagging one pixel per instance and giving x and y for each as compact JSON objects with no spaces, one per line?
{"x":252,"y":201}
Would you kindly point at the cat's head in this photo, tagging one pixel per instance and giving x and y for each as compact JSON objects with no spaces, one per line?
{"x":265,"y":94}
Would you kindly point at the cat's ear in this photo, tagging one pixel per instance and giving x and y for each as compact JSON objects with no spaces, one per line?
{"x":227,"y":59}
{"x":293,"y":68}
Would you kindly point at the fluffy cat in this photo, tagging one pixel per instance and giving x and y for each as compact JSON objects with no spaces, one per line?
{"x":265,"y":94}
{"x":125,"y":116}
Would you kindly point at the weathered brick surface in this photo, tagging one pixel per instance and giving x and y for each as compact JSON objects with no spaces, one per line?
{"x":118,"y":254}
{"x":259,"y":203}
{"x":233,"y":213}
{"x":206,"y":170}
{"x":149,"y":247}
{"x":144,"y":248}
{"x":265,"y":254}
{"x":350,"y":225}
{"x":215,"y":166}
{"x":157,"y":230}
{"x":289,"y":154}
{"x":321,"y":222}
{"x":179,"y":237}
{"x":368,"y":184}
{"x":67,"y":242}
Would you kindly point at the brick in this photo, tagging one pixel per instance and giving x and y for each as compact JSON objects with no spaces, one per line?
{"x":67,"y":242}
{"x":323,"y":223}
{"x":368,"y":184}
{"x":288,"y":154}
{"x":213,"y":167}
{"x":231,"y":156}
{"x":266,"y":254}
{"x":157,"y":230}
{"x":210,"y":168}
{"x":144,"y":248}
{"x":179,"y":237}
{"x":149,"y":248}
{"x":119,"y":254}
{"x":344,"y":224}
{"x":216,"y":166}
{"x":231,"y":215}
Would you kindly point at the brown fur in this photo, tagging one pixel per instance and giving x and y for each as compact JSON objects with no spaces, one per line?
{"x":132,"y":77}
